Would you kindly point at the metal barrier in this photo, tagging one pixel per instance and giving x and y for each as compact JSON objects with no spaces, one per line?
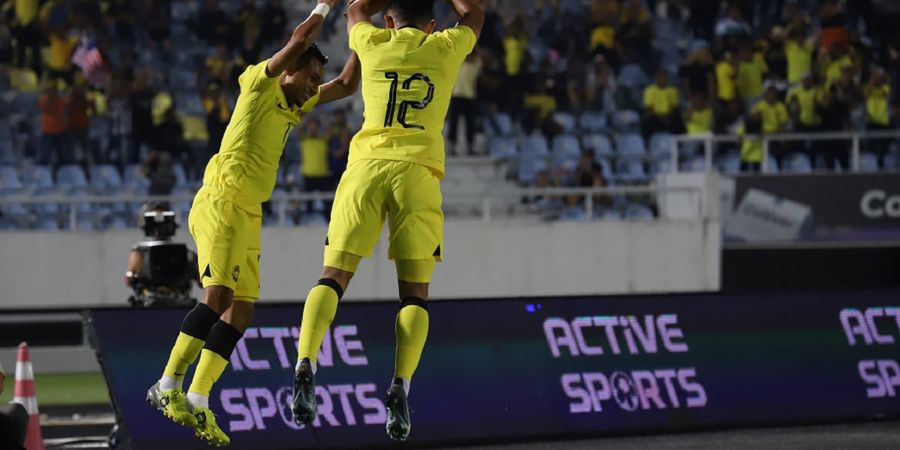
{"x":483,"y":202}
{"x":710,"y":139}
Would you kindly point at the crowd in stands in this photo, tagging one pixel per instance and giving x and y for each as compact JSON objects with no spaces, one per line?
{"x":582,"y":93}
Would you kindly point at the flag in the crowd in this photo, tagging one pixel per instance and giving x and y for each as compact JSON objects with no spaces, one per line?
{"x":89,"y":59}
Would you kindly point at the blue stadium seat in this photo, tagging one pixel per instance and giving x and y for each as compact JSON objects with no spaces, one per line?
{"x":565,"y":120}
{"x":637,"y":211}
{"x":695,"y":164}
{"x":630,"y":170}
{"x":797,"y":163}
{"x":180,"y":176}
{"x":600,"y":144}
{"x":39,"y":180}
{"x":626,"y":120}
{"x":566,"y":150}
{"x":529,"y":166}
{"x":47,"y":223}
{"x":535,"y":145}
{"x":572,"y":214}
{"x":630,"y":144}
{"x":891,"y":161}
{"x":10,"y":183}
{"x":136,"y":180}
{"x":7,"y":155}
{"x":105,"y":179}
{"x":501,"y":124}
{"x":868,"y":162}
{"x":72,"y":178}
{"x":502,"y":148}
{"x":592,"y":121}
{"x":730,"y":163}
{"x":661,"y":166}
{"x":607,"y":214}
{"x":632,"y":75}
{"x":661,"y":145}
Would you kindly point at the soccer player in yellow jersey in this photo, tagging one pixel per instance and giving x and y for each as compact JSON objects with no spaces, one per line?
{"x":394,"y":172}
{"x":226,"y":216}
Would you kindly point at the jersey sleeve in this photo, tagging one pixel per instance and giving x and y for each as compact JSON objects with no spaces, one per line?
{"x":460,"y":40}
{"x":362,"y":36}
{"x":254,"y":77}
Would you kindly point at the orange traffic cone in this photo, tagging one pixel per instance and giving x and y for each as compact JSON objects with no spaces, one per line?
{"x":24,"y":395}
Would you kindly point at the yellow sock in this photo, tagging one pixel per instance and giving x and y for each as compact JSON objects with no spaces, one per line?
{"x":208,"y":372}
{"x":412,"y":330}
{"x":318,"y":312}
{"x":184,"y":353}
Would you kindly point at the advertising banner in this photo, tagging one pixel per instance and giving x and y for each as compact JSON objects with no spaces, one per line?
{"x":522,"y":368}
{"x":815,"y":207}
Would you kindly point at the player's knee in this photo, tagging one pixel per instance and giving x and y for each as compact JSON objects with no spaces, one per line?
{"x":342,"y":277}
{"x":239,"y":315}
{"x":218,"y":298}
{"x":413,"y":290}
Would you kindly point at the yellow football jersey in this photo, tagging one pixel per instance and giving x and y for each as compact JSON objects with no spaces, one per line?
{"x":246,"y":167}
{"x":407,"y":82}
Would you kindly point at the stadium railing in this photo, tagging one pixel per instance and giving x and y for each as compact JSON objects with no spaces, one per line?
{"x":484,"y":203}
{"x":708,"y":141}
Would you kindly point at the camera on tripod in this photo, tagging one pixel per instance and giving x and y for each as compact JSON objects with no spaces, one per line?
{"x":160,"y":272}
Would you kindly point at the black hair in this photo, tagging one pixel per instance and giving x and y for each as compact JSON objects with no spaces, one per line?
{"x":313,"y":52}
{"x":411,"y":11}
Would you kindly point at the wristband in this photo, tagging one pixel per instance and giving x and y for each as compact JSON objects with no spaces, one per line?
{"x":322,"y":9}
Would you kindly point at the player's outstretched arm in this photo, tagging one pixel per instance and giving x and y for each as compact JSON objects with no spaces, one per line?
{"x":470,"y":14}
{"x":363,"y":10}
{"x":345,"y":85}
{"x":301,"y":39}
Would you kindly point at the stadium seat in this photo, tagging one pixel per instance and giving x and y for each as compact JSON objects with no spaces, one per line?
{"x":565,"y":120}
{"x":47,"y":224}
{"x":502,"y":148}
{"x":600,"y":144}
{"x":661,"y":145}
{"x":535,"y":145}
{"x":105,"y":179}
{"x":695,"y":164}
{"x":501,"y":124}
{"x":39,"y":180}
{"x":626,"y":120}
{"x":592,"y":122}
{"x":529,"y":166}
{"x":607,"y":214}
{"x":135,"y":179}
{"x":180,"y":176}
{"x":72,"y":178}
{"x":10,"y":183}
{"x":639,"y":212}
{"x":572,"y":213}
{"x":661,"y":166}
{"x":630,"y":144}
{"x":868,"y":162}
{"x":730,"y":163}
{"x":632,"y":75}
{"x":566,"y":150}
{"x":797,"y":163}
{"x":630,"y":170}
{"x":7,"y":155}
{"x":891,"y":161}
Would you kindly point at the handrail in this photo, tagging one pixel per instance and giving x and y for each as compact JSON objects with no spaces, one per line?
{"x":709,"y":139}
{"x":280,"y":200}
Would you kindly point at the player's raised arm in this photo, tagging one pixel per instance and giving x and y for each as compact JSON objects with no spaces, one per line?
{"x":345,"y":85}
{"x":363,"y":10}
{"x":301,"y":39}
{"x":470,"y":14}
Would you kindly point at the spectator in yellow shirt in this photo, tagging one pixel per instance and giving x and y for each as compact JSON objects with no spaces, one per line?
{"x":878,"y":114}
{"x":750,"y":74}
{"x":661,"y":111}
{"x":316,"y":174}
{"x":698,"y":118}
{"x":726,"y":78}
{"x":799,"y":51}
{"x":773,"y":116}
{"x":27,"y":33}
{"x":59,"y":62}
{"x":751,"y":143}
{"x":803,"y":105}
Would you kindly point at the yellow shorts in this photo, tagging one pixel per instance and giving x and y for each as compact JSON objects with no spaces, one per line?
{"x":228,"y":244}
{"x":407,"y":195}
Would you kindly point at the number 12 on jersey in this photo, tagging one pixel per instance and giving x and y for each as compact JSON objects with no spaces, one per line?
{"x":406,"y":104}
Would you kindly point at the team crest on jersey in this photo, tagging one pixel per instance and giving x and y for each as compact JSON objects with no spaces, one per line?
{"x":235,"y":273}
